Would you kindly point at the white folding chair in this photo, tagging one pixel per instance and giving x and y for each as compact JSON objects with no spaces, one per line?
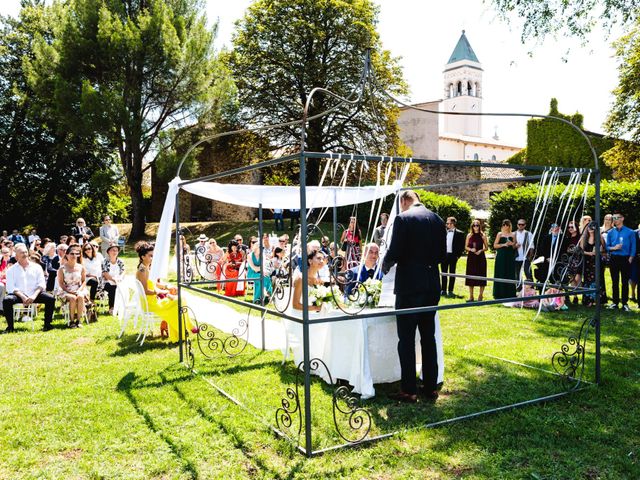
{"x":127,"y":304}
{"x":25,"y":313}
{"x":64,"y":309}
{"x":149,"y":319}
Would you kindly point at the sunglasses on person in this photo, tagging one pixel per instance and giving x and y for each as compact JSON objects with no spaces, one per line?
{"x":476,"y":225}
{"x":571,"y":227}
{"x":522,"y":224}
{"x":615,"y":217}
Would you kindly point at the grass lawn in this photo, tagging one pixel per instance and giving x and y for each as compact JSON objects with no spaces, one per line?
{"x":85,"y":404}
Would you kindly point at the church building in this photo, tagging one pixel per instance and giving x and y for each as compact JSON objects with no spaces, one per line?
{"x":456,"y":137}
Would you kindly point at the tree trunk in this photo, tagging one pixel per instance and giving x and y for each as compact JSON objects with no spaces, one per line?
{"x":137,"y":211}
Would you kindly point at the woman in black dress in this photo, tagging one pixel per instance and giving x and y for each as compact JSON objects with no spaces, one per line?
{"x":475,"y":246}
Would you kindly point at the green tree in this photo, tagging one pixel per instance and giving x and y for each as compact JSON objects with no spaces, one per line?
{"x":125,"y":71}
{"x":567,"y":17}
{"x":624,"y":117}
{"x":285,"y":48}
{"x":44,"y":170}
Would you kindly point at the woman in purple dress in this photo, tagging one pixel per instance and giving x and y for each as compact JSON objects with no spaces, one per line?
{"x":476,"y":245}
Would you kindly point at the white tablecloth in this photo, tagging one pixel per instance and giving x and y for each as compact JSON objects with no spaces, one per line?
{"x":363,"y":351}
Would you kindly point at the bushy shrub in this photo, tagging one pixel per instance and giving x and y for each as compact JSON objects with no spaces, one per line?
{"x":447,"y":206}
{"x":519,"y":202}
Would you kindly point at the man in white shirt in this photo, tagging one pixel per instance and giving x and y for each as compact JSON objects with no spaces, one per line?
{"x":524,"y":242}
{"x":26,"y":285}
{"x":109,"y":235}
{"x":33,"y":237}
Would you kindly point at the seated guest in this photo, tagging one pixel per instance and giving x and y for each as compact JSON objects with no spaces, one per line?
{"x":378,"y":233}
{"x":25,"y":284}
{"x":160,"y":299}
{"x":81,"y":232}
{"x":112,"y":273}
{"x":16,"y":238}
{"x":72,"y":285}
{"x":455,"y":249}
{"x":253,"y":271}
{"x":324,"y":248}
{"x":369,"y":269}
{"x":232,"y":261}
{"x":201,"y":246}
{"x":109,"y":234}
{"x":277,"y":262}
{"x":36,"y":246}
{"x":315,"y":261}
{"x":54,"y":265}
{"x":4,"y":265}
{"x":64,"y":239}
{"x":92,"y":261}
{"x":48,"y":254}
{"x":32,"y":238}
{"x":213,"y":258}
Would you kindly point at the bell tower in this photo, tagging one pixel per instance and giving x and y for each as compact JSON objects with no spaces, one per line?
{"x":463,"y":90}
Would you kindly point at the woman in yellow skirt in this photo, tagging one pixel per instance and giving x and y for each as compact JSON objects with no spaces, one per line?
{"x":162,"y":301}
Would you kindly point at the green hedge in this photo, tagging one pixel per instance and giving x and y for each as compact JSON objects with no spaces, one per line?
{"x":447,"y":206}
{"x":519,"y":203}
{"x":443,"y":205}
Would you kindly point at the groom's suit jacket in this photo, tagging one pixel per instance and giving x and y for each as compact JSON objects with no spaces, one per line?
{"x":418,"y":246}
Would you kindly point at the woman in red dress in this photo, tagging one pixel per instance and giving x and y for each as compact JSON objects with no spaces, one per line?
{"x":350,"y":241}
{"x":232,"y":262}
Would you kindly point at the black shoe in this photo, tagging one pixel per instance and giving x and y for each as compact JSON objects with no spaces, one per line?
{"x":443,"y":293}
{"x":451,"y":294}
{"x":8,"y":330}
{"x":46,"y":328}
{"x":431,"y":395}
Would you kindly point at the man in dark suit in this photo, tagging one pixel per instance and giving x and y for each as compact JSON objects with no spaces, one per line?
{"x":81,"y":231}
{"x":417,"y":285}
{"x":54,"y":266}
{"x":547,"y":248}
{"x":455,"y":249}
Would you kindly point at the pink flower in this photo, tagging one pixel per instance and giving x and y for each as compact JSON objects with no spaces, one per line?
{"x":195,"y":330}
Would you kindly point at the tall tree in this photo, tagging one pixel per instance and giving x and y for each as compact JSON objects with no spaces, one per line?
{"x":624,"y":117}
{"x":44,"y":170}
{"x":567,"y":17}
{"x":125,"y":71}
{"x":285,"y":48}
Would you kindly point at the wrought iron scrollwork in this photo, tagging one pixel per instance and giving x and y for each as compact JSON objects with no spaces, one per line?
{"x":287,"y":413}
{"x":569,"y":361}
{"x":346,"y":409}
{"x":210,"y":342}
{"x":205,"y":264}
{"x":568,"y":265}
{"x":187,"y":268}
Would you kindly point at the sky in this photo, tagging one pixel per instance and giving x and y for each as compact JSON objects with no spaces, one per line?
{"x":517,"y":78}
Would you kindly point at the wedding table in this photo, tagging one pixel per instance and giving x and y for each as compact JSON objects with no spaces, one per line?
{"x":363,"y":351}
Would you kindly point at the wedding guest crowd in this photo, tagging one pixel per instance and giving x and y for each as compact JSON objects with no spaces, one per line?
{"x":37,"y":270}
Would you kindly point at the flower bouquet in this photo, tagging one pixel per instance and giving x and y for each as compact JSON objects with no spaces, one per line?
{"x":321,"y":295}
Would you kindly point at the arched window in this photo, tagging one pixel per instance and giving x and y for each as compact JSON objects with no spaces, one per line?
{"x":477,"y":89}
{"x":473,"y":87}
{"x":451,"y":92}
{"x":469,"y":89}
{"x":459,"y":90}
{"x":476,"y":157}
{"x":493,"y":157}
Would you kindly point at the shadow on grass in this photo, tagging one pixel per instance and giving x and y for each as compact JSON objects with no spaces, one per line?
{"x":127,"y":345}
{"x":236,"y":436}
{"x":125,"y":386}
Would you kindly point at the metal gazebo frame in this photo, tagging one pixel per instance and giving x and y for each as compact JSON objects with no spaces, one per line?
{"x":569,"y":362}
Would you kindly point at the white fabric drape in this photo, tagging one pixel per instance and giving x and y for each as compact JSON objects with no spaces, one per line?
{"x":254,"y":196}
